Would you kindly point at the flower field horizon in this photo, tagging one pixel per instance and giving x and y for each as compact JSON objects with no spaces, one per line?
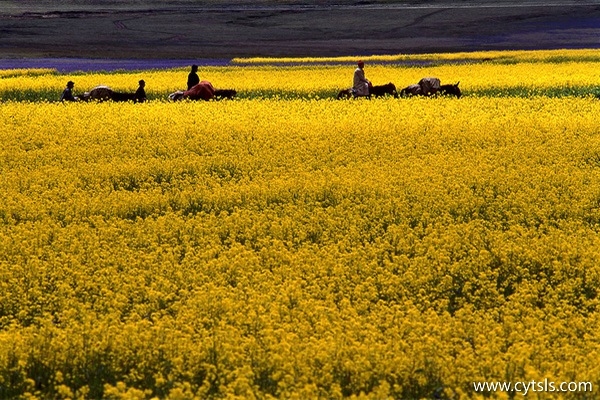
{"x":288,"y":245}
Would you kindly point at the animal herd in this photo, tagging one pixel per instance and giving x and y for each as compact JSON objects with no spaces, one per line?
{"x":426,"y":87}
{"x":202,"y":91}
{"x":205,"y":91}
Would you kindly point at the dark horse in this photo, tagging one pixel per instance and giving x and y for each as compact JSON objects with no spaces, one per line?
{"x":450,"y":90}
{"x":377,"y":91}
{"x":225,"y":94}
{"x":117,"y":96}
{"x":103,"y":93}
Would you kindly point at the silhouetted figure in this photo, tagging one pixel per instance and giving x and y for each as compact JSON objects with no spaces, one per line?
{"x":140,"y":93}
{"x":193,"y":78}
{"x":67,"y":94}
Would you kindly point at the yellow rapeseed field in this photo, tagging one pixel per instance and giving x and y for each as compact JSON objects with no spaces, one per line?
{"x":300,"y":248}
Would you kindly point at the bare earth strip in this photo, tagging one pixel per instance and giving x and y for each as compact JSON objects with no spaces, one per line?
{"x":268,"y":29}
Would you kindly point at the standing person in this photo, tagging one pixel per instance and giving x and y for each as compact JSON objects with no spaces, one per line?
{"x":193,"y":78}
{"x":67,"y":94}
{"x":140,"y":93}
{"x":361,"y":84}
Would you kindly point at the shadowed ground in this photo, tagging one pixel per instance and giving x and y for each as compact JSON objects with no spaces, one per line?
{"x":183,"y":29}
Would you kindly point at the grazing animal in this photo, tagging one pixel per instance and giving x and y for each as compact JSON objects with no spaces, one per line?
{"x":450,"y":90}
{"x":414,"y":90}
{"x":345,"y":94}
{"x":203,"y":91}
{"x":429,"y":87}
{"x":382,"y":90}
{"x":175,"y":96}
{"x":116,"y":96}
{"x":225,"y":94}
{"x":377,"y":91}
{"x":99,"y":93}
{"x":103,"y":93}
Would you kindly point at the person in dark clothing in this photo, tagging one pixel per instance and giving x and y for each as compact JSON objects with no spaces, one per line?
{"x":193,"y":78}
{"x":140,"y":93}
{"x":67,"y":94}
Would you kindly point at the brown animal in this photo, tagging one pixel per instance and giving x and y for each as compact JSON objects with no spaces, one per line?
{"x":203,"y":91}
{"x":377,"y":91}
{"x":450,"y":90}
{"x":383,"y":90}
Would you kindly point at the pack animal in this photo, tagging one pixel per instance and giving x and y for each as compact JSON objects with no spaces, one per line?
{"x":450,"y":90}
{"x":430,"y":87}
{"x":203,"y":91}
{"x":383,"y":90}
{"x":104,"y":93}
{"x":376,"y":91}
{"x":225,"y":94}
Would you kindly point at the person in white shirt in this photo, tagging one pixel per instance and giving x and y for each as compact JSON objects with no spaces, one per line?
{"x":361,"y":84}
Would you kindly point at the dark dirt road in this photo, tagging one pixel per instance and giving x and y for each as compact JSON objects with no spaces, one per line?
{"x":224,"y":32}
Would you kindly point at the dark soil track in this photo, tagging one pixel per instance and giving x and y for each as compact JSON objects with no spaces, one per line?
{"x":294,"y":30}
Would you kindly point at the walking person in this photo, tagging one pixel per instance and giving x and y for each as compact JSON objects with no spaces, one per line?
{"x":140,"y":93}
{"x":193,"y":78}
{"x":67,"y":94}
